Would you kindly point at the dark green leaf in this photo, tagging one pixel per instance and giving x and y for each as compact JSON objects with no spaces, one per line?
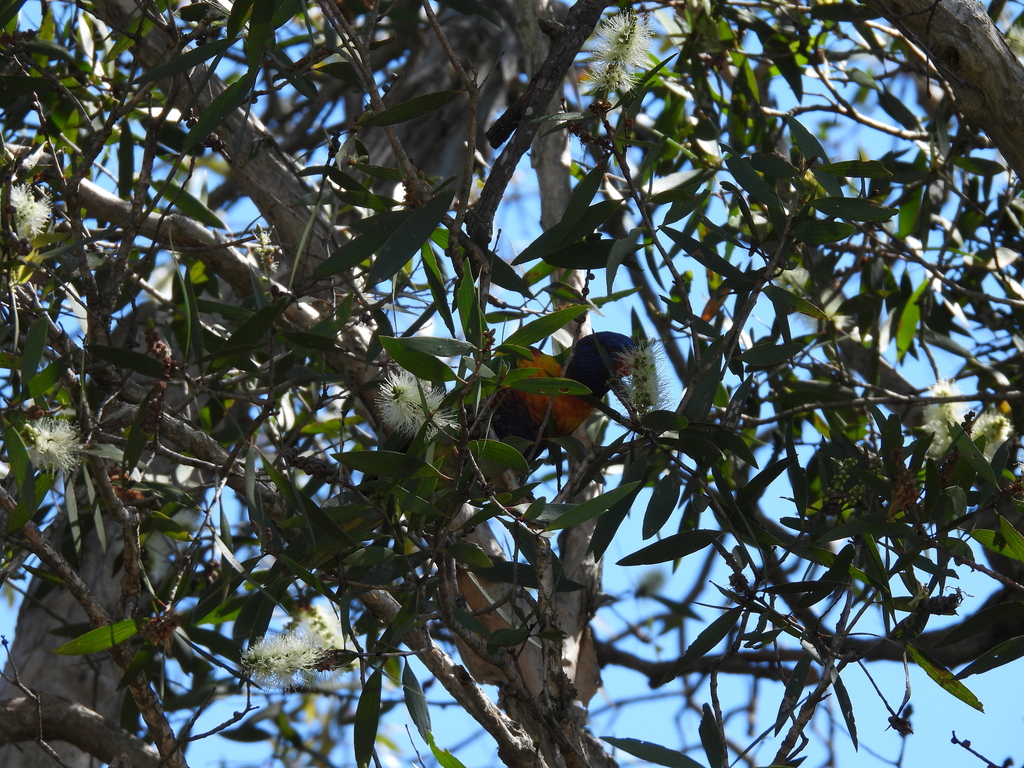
{"x":769,"y":354}
{"x":387,"y":464}
{"x":549,"y":385}
{"x":982,"y":620}
{"x":591,"y":508}
{"x":218,"y":110}
{"x":711,"y":739}
{"x":706,"y":641}
{"x":186,"y":61}
{"x":415,"y":701}
{"x":673,"y":547}
{"x":1004,"y":653}
{"x":653,"y":753}
{"x":846,"y":707}
{"x":419,"y":364}
{"x":853,"y":208}
{"x":543,"y":327}
{"x":471,"y":7}
{"x":367,"y":718}
{"x":415,"y":107}
{"x":859,"y":169}
{"x":500,"y":455}
{"x":410,"y":235}
{"x":818,"y":232}
{"x":127,"y":358}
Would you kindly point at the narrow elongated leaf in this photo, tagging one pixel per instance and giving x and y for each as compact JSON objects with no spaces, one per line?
{"x":711,"y":738}
{"x":818,"y":232}
{"x":416,"y":702}
{"x":858,"y":169}
{"x":982,"y":620}
{"x":543,"y":327}
{"x":653,"y":753}
{"x":419,"y":364}
{"x":100,"y":639}
{"x":127,"y":358}
{"x":706,"y":641}
{"x":367,"y":718}
{"x":846,"y":707}
{"x":551,"y":386}
{"x":470,"y":7}
{"x":853,"y":208}
{"x":186,"y":61}
{"x":944,"y":678}
{"x":1004,"y":653}
{"x":592,"y":508}
{"x":673,"y":547}
{"x":387,"y":463}
{"x":502,"y":455}
{"x":407,"y":110}
{"x":218,"y":110}
{"x":410,"y":235}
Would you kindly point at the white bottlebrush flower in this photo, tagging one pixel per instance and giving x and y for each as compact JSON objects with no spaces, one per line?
{"x":406,"y":404}
{"x":54,"y":444}
{"x":938,"y":416}
{"x":621,"y":49}
{"x":287,"y":660}
{"x":996,"y":429}
{"x":29,"y":215}
{"x":643,"y":387}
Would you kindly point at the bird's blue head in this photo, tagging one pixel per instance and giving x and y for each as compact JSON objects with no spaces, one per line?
{"x":597,"y":358}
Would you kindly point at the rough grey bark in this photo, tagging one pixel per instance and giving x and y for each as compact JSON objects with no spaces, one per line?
{"x":971,"y":54}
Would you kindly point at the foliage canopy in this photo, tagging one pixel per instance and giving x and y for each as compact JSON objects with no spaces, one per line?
{"x":268,"y":267}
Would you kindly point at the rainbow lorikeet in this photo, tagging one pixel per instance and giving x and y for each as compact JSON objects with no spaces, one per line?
{"x":520,"y":414}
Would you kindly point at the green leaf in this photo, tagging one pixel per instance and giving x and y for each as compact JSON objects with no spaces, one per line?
{"x":501,"y":455}
{"x":711,"y":739}
{"x":853,"y":208}
{"x":794,"y":685}
{"x":419,"y":364}
{"x":415,"y":701}
{"x":186,"y":61}
{"x":551,"y":386}
{"x":100,"y":639}
{"x":769,"y":354}
{"x":438,"y":346}
{"x":407,"y":110}
{"x":126,"y":358}
{"x":782,"y":298}
{"x":472,"y":7}
{"x":972,"y":454}
{"x":444,"y":758}
{"x":1004,"y":653}
{"x":591,"y":508}
{"x":846,"y":707}
{"x":982,"y":620}
{"x":653,"y":753}
{"x":673,"y":547}
{"x":543,"y":327}
{"x":403,"y":244}
{"x":944,"y":678}
{"x":818,"y":232}
{"x":858,"y":169}
{"x":809,"y":146}
{"x":469,"y":554}
{"x":758,"y":188}
{"x":389,"y":464}
{"x":663,"y":502}
{"x":218,"y":110}
{"x":1007,"y":541}
{"x":706,"y":641}
{"x":32,"y":351}
{"x":367,"y":718}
